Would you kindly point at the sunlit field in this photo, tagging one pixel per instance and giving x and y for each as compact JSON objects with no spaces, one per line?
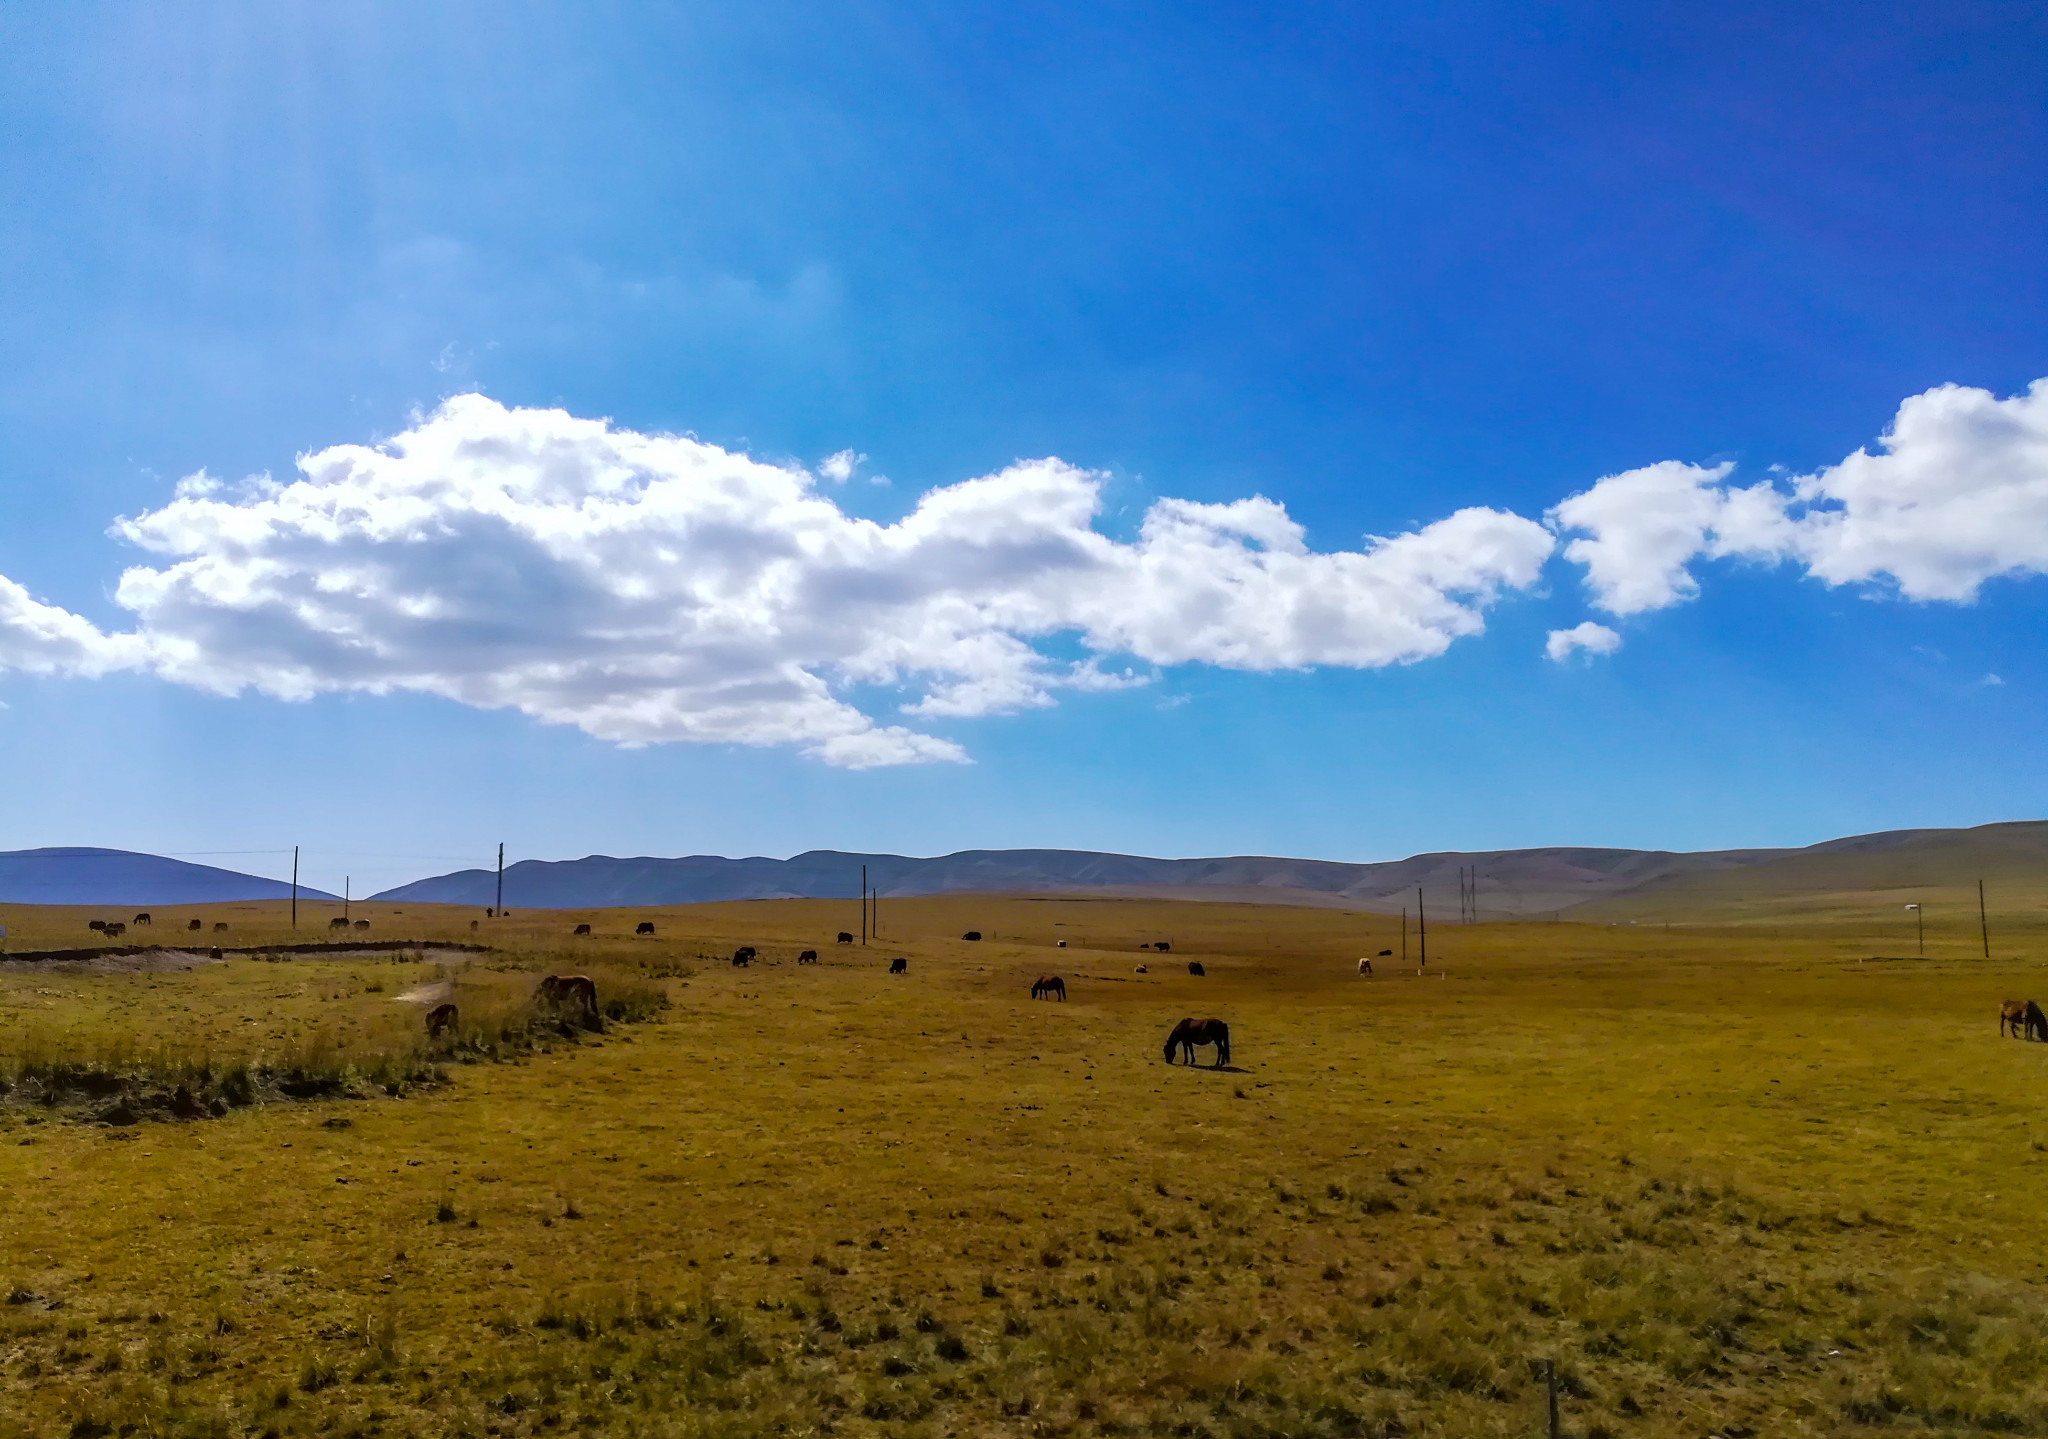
{"x":1755,"y":1177}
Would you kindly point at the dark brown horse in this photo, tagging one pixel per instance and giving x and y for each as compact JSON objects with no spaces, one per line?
{"x":571,"y":991}
{"x":440,"y":1019}
{"x":1048,"y":986}
{"x":1191,"y":1032}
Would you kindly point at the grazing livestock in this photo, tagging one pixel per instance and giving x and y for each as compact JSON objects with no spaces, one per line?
{"x":2037,"y":1022}
{"x":98,"y":924}
{"x":743,"y":955}
{"x":362,"y":924}
{"x":809,"y":956}
{"x":472,"y":925}
{"x":1049,"y":986}
{"x":142,"y":918}
{"x":2012,"y":1017}
{"x":1141,"y":969}
{"x":116,"y":928}
{"x":571,"y":991}
{"x":195,"y":924}
{"x":220,"y":926}
{"x":337,"y":923}
{"x":1063,"y":944}
{"x":845,"y":937}
{"x":1195,"y":967}
{"x":972,"y":934}
{"x":583,"y":929}
{"x":899,"y":966}
{"x":1385,"y":952}
{"x":440,"y":1019}
{"x":1162,"y":946}
{"x":1192,"y":1032}
{"x":645,"y":926}
{"x":1365,"y":967}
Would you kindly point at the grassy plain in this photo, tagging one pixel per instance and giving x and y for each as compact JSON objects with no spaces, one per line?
{"x":1732,"y":1178}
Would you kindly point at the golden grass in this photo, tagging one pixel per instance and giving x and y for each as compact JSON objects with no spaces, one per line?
{"x":1730,"y":1183}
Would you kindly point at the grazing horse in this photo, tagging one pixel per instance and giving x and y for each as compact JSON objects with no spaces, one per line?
{"x":899,"y":966}
{"x":1195,"y":967}
{"x":117,"y":928}
{"x":1191,"y":1032}
{"x":972,"y":934}
{"x":2037,"y":1022}
{"x":1365,"y":967}
{"x":98,"y":924}
{"x":845,"y":937}
{"x":743,"y":955}
{"x":1048,"y":986}
{"x":440,"y":1019}
{"x":2012,"y":1017}
{"x":809,"y":956}
{"x":645,"y":926}
{"x":142,"y":918}
{"x":583,"y":929}
{"x":575,"y":991}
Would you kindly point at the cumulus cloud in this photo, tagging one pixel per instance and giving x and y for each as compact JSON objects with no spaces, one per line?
{"x":41,"y":639}
{"x":1591,"y":638}
{"x":1954,"y":494}
{"x":839,"y":466}
{"x":650,"y":588}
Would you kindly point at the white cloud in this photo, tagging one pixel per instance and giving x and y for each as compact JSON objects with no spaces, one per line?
{"x":1955,"y":494}
{"x":653,"y":588}
{"x":1991,"y":680}
{"x":41,"y":639}
{"x":1589,"y":637}
{"x":839,"y":466}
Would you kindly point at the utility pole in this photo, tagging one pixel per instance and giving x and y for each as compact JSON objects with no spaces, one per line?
{"x":1983,"y":929}
{"x":501,"y":880}
{"x":295,"y":886}
{"x":1421,"y":929}
{"x":1920,"y":921}
{"x":1404,"y":934}
{"x":346,"y":881}
{"x":863,"y":906}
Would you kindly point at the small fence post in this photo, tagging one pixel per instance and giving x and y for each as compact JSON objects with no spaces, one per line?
{"x":1550,"y":1387}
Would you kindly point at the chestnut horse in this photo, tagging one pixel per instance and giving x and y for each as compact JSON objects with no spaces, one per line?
{"x":1048,"y":986}
{"x":1191,"y":1032}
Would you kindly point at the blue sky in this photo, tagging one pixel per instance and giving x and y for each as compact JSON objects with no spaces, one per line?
{"x":1377,"y":265}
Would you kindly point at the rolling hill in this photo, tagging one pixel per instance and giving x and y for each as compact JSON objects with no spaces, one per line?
{"x":69,"y":875}
{"x":1510,"y":882}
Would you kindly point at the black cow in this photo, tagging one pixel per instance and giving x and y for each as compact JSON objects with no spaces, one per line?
{"x":743,"y":955}
{"x":1162,"y":946}
{"x":809,"y":956}
{"x":645,"y":926}
{"x":142,"y":918}
{"x":845,"y":938}
{"x":1195,"y":967}
{"x":899,"y":966}
{"x":972,"y":934}
{"x":583,"y":929}
{"x":195,"y":924}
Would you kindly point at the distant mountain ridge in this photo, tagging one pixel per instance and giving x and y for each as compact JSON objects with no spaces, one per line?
{"x":76,"y":875}
{"x":1510,"y":882}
